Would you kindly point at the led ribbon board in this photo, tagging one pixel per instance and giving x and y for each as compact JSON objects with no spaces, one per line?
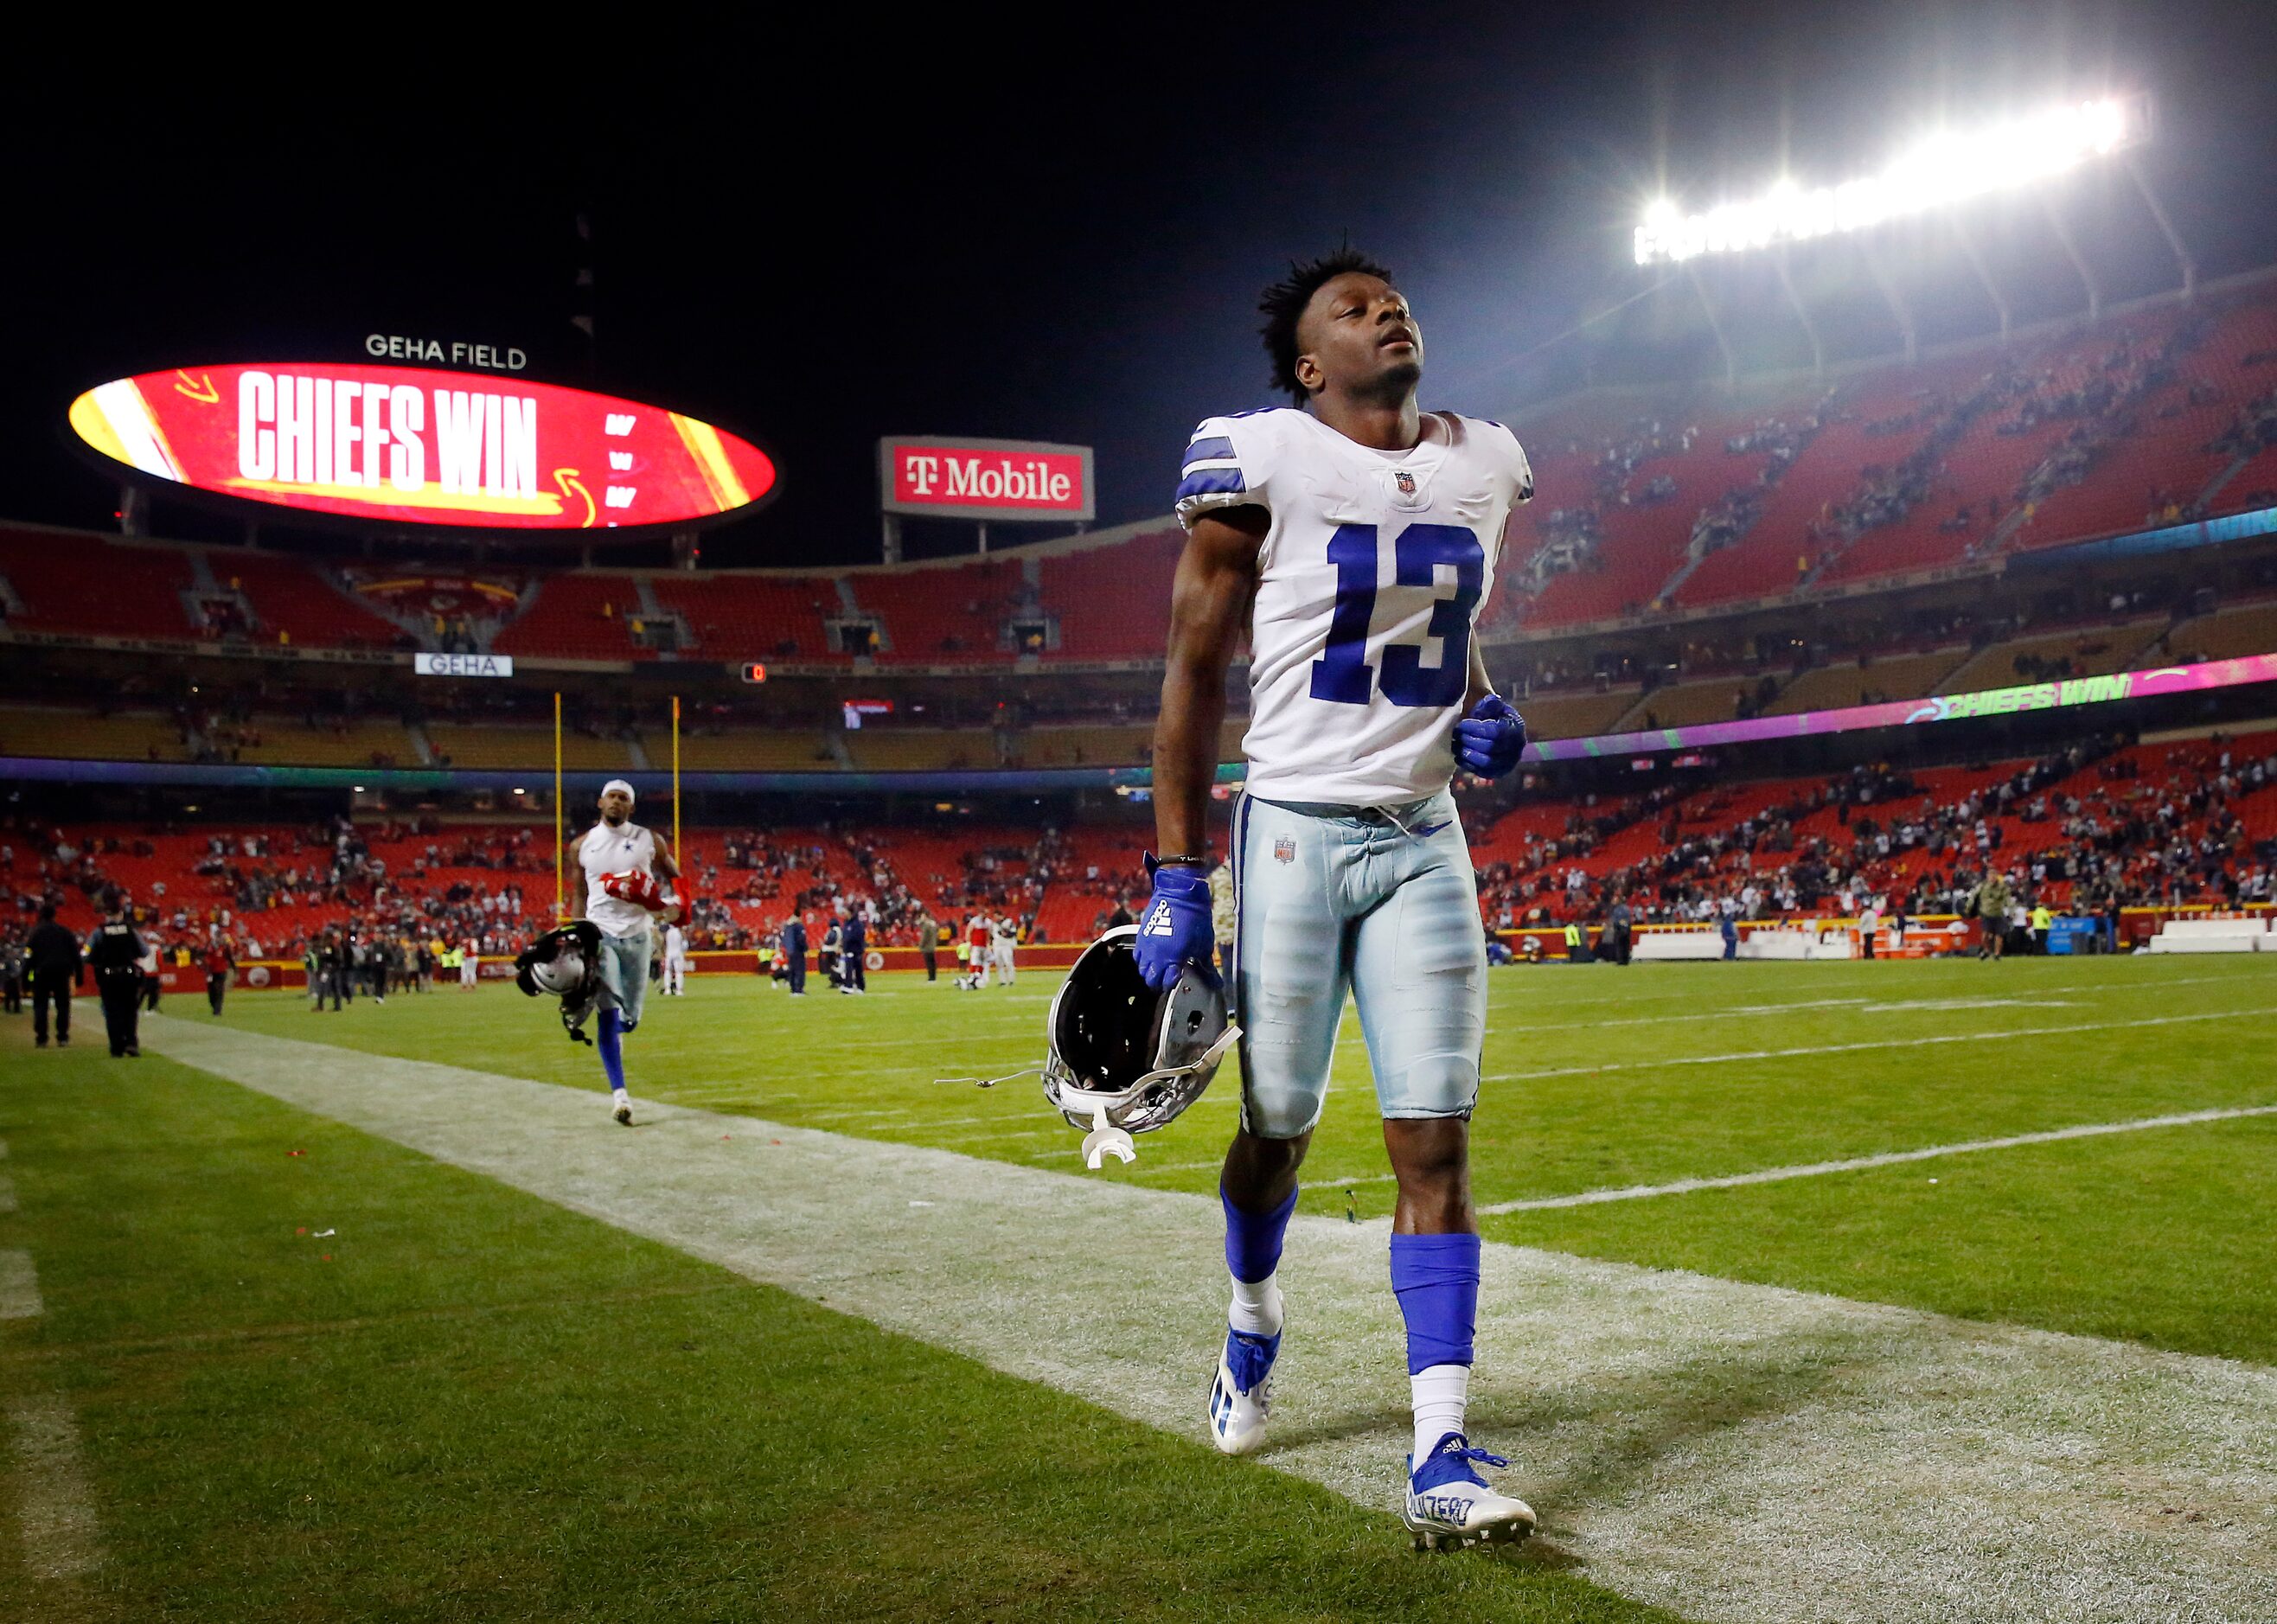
{"x":409,"y":445}
{"x":1911,"y":713}
{"x":1852,"y":719}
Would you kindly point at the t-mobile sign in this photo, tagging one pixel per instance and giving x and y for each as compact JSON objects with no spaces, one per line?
{"x":986,"y":479}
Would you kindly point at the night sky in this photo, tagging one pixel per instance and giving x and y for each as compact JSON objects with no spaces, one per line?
{"x":816,"y":231}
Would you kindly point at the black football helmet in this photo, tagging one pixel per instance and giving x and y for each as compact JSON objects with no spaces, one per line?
{"x":1124,"y":1058}
{"x":566,"y":964}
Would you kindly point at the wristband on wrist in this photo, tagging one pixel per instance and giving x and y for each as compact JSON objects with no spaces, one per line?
{"x":1184,"y":860}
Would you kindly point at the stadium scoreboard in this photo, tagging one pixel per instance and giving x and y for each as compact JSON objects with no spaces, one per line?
{"x":417,"y":446}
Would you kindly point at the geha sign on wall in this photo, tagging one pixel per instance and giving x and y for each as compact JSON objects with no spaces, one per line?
{"x":937,"y":477}
{"x":408,"y":445}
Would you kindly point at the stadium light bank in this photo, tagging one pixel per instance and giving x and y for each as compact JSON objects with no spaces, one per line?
{"x":1943,"y":169}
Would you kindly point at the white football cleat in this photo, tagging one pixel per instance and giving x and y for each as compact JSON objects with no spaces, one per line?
{"x":1449,"y":1504}
{"x":623,"y":1111}
{"x":1241,"y":1396}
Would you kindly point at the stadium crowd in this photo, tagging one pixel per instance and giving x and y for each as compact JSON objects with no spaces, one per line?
{"x":2086,"y":830}
{"x":372,"y":907}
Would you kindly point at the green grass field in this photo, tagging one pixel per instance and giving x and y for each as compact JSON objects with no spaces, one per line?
{"x":469,"y":1402}
{"x":1591,"y":1085}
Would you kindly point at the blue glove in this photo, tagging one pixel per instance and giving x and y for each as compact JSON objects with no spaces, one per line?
{"x":1490,"y":739}
{"x":1175,"y":930}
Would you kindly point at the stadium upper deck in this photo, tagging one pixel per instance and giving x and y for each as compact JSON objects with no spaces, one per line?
{"x":1647,"y":507}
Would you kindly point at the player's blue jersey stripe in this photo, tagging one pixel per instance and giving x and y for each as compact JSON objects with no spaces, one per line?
{"x":1214,"y":449}
{"x":1212,"y":482}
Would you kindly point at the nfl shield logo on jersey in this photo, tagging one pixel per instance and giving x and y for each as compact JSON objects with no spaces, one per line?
{"x":1404,"y":490}
{"x":1284,"y":851}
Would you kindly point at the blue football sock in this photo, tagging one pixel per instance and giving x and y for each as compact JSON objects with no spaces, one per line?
{"x":612,"y":1045}
{"x":1252,"y":1243}
{"x":1437,"y":1279}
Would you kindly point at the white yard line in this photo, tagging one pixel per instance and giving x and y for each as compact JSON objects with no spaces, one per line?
{"x":19,"y":1285}
{"x":1848,"y":1048}
{"x":1698,"y":991}
{"x":1356,"y":1178}
{"x":1733,"y":1451}
{"x":1812,"y":1169}
{"x":55,"y":1508}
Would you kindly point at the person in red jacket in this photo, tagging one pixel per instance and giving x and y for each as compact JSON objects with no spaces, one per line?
{"x":219,"y":962}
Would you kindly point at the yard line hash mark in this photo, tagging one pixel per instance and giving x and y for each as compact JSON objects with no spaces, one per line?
{"x":19,"y":1285}
{"x":53,"y":1506}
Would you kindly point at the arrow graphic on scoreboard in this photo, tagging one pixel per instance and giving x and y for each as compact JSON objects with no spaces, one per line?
{"x":200,"y":388}
{"x":566,"y":479}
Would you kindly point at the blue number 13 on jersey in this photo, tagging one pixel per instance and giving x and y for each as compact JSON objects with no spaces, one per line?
{"x":1342,"y":674}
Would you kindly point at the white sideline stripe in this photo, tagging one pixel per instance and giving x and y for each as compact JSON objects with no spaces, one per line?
{"x":19,"y":1285}
{"x":1848,"y":1048}
{"x":1733,"y":1451}
{"x":1811,"y":1170}
{"x":55,"y":1507}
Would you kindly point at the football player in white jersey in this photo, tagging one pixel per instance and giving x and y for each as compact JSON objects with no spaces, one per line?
{"x":1352,"y":539}
{"x":622,"y":863}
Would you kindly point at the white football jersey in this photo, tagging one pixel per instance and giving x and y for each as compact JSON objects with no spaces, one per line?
{"x":1369,"y":581}
{"x":605,"y":851}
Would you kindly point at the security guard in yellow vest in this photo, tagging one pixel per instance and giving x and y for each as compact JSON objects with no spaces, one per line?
{"x":2043,"y":922}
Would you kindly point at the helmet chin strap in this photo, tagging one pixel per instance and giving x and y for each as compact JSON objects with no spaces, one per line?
{"x":1217,"y":1051}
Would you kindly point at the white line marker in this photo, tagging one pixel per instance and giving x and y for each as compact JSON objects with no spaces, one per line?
{"x":1338,"y":1184}
{"x":1861,"y":1005}
{"x":1812,"y":1169}
{"x":2150,"y":981}
{"x":55,"y":1509}
{"x":19,"y":1285}
{"x":1848,"y":1048}
{"x":1731,"y":1452}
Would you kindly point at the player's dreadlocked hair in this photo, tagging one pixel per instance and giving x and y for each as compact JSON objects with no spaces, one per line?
{"x":1285,"y":302}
